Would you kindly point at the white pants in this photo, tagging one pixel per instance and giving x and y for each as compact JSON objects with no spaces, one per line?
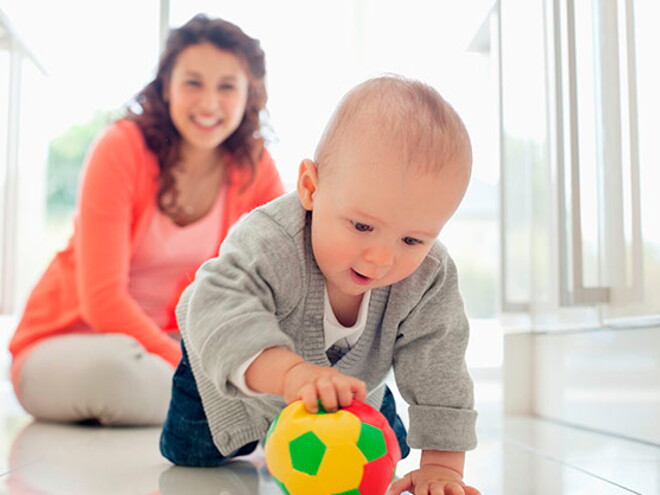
{"x":109,"y":378}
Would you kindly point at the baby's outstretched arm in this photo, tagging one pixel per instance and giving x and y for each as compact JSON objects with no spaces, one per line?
{"x":282,"y":372}
{"x":440,"y":472}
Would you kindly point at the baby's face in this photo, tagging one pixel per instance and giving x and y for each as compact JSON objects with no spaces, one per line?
{"x":374,"y":220}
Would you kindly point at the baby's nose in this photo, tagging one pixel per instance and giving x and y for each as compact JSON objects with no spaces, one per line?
{"x":380,"y":255}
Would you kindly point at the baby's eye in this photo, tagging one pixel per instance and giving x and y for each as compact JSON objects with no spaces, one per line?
{"x":411,"y":241}
{"x":193,"y":83}
{"x":227,"y":87}
{"x":362,"y":227}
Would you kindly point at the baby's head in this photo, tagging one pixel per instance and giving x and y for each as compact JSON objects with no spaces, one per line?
{"x":390,"y":169}
{"x":406,"y":117}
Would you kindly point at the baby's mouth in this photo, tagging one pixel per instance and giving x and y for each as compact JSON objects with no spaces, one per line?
{"x":359,"y":278}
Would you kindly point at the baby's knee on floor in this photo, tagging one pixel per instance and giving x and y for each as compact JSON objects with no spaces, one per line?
{"x":184,"y":452}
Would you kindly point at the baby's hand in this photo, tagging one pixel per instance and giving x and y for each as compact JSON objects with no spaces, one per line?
{"x":432,"y":480}
{"x":312,"y":383}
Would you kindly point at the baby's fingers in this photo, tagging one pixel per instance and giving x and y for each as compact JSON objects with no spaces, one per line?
{"x":358,"y":390}
{"x":328,"y":393}
{"x":348,"y":388}
{"x":399,"y":486}
{"x":345,"y":394}
{"x":310,"y":398}
{"x":339,"y":391}
{"x":450,"y":489}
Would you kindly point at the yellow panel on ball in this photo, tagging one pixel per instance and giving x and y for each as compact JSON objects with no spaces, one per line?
{"x":337,"y":428}
{"x":277,"y":453}
{"x":345,"y":459}
{"x":301,"y":483}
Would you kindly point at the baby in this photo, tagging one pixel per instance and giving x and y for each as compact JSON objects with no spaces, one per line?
{"x":319,"y":294}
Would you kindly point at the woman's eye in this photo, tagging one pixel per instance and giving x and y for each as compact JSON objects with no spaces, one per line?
{"x":194,"y":84}
{"x":362,"y":227}
{"x":227,"y":87}
{"x":411,"y":241}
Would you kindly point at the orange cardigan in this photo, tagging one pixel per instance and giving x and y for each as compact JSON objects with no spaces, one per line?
{"x":88,"y":280}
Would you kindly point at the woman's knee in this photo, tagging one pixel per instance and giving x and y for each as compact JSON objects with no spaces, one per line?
{"x":110,"y":378}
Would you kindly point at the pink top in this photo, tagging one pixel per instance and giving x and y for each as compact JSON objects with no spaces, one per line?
{"x":166,"y":251}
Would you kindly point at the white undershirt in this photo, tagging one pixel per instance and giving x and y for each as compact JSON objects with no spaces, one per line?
{"x":337,"y":334}
{"x":334,"y":334}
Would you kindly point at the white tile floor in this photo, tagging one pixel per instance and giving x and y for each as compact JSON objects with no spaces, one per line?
{"x":516,"y":456}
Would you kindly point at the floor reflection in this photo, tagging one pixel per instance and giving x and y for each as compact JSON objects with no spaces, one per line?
{"x":516,"y":456}
{"x":234,"y":478}
{"x":48,"y":458}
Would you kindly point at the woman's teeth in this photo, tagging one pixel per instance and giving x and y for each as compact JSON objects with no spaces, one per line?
{"x":206,"y":121}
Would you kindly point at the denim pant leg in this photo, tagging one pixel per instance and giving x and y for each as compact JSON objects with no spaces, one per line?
{"x":186,"y":438}
{"x":388,"y":409}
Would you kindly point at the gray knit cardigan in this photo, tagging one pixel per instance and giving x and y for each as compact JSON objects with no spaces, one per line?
{"x":265,"y":289}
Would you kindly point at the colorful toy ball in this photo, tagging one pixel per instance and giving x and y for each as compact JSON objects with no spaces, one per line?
{"x":349,"y":452}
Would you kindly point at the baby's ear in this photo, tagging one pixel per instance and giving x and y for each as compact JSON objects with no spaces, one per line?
{"x":307,"y":183}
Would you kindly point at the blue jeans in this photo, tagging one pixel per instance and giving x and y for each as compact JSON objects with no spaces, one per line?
{"x":186,"y":438}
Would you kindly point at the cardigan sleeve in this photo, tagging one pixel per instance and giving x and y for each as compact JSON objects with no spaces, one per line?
{"x":232,"y":310}
{"x":113,"y":185}
{"x":430,"y":368}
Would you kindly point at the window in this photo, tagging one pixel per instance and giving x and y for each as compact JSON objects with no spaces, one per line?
{"x":90,"y":71}
{"x":20,"y":71}
{"x":644,"y":36}
{"x":580,"y":244}
{"x":5,"y":55}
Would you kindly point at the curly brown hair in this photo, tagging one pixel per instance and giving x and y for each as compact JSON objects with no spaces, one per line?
{"x":152,"y":114}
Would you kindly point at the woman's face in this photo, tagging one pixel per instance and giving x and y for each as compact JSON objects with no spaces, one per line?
{"x":207,"y":93}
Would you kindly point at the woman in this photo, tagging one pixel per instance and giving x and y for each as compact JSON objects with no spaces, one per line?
{"x":160,"y":189}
